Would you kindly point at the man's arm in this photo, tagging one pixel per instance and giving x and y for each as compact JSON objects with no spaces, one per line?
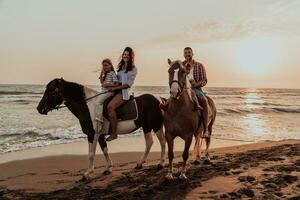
{"x":201,"y":78}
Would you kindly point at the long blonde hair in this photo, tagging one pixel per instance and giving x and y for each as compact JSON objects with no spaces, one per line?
{"x":108,"y":61}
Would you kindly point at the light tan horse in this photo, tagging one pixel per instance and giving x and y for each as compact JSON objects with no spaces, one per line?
{"x":181,"y":118}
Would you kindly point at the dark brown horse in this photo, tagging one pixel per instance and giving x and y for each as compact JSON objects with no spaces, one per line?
{"x":75,"y":96}
{"x":181,"y":118}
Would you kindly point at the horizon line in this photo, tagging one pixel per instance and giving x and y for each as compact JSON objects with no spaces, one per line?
{"x":295,"y":88}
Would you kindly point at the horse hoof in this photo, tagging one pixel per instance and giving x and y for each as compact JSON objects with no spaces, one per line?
{"x":138,"y":166}
{"x":106,"y":172}
{"x":197,"y":162}
{"x":183,"y":177}
{"x":83,"y":179}
{"x":169,"y":176}
{"x":160,"y":166}
{"x":206,"y":161}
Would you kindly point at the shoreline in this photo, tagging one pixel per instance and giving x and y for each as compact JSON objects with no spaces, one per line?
{"x":264,"y":170}
{"x":122,"y":144}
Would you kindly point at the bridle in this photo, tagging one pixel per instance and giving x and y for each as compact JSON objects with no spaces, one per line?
{"x":180,"y":89}
{"x":56,"y":92}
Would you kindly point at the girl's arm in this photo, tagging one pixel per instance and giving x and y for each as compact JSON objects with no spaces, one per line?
{"x":130,"y":80}
{"x":119,"y":87}
{"x":113,"y":80}
{"x":107,"y":85}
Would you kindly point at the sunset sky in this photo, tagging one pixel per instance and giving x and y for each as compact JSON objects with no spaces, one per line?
{"x":241,"y":43}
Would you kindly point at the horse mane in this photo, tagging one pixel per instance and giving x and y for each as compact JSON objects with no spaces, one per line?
{"x":177,"y":62}
{"x":73,"y":91}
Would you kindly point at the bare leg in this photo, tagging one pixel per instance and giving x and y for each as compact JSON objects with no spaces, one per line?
{"x":113,"y":104}
{"x":185,"y":156}
{"x":149,"y":142}
{"x":170,"y":142}
{"x":162,"y":140}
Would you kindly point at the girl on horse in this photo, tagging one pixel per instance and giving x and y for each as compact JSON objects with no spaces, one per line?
{"x":108,"y":79}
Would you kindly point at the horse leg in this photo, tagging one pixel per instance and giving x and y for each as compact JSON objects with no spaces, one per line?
{"x":91,"y":155}
{"x":207,"y":140}
{"x":200,"y":146}
{"x":104,"y":149}
{"x":170,"y":142}
{"x":149,"y":142}
{"x":185,"y":156}
{"x":198,"y":149}
{"x":199,"y":139}
{"x":162,"y":140}
{"x":90,"y":168}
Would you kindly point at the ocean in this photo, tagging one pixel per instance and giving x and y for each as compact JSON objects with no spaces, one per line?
{"x":242,"y":114}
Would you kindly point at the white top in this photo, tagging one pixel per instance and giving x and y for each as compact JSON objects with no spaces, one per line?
{"x":111,"y":77}
{"x":127,"y":78}
{"x":190,"y":75}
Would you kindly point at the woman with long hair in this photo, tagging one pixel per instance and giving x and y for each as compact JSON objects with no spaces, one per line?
{"x":126,"y":75}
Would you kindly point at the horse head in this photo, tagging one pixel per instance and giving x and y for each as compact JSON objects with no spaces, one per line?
{"x":177,"y":78}
{"x":52,"y":96}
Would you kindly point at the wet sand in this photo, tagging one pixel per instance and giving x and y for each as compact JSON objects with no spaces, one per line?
{"x":266,"y":170}
{"x":122,"y":144}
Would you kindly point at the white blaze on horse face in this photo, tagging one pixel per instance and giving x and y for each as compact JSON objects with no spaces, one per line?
{"x":174,"y":86}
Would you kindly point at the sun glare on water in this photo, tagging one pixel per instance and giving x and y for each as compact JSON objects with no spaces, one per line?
{"x":256,"y":56}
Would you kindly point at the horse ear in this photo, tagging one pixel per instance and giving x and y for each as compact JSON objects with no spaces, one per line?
{"x":60,"y":80}
{"x":163,"y":100}
{"x":169,"y":61}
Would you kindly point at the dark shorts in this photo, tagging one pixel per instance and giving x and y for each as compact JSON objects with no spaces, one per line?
{"x":118,"y":92}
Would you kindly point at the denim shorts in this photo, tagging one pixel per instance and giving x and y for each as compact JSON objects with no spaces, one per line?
{"x":198,"y":92}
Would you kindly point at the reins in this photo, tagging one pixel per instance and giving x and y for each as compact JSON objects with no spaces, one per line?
{"x":87,"y":99}
{"x":181,"y":88}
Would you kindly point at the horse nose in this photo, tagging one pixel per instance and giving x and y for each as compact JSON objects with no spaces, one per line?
{"x":39,"y":109}
{"x":174,"y":90}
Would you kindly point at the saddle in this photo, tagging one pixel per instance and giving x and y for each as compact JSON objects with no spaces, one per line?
{"x":127,"y":111}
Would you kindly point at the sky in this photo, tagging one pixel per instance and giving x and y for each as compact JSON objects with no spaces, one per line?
{"x":241,"y":43}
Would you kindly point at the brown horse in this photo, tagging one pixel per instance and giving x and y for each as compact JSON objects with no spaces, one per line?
{"x":181,"y":118}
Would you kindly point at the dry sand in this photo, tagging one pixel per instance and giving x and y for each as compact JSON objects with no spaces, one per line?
{"x":266,"y":170}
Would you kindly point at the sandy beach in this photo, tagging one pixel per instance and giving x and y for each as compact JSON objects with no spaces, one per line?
{"x":265,"y":170}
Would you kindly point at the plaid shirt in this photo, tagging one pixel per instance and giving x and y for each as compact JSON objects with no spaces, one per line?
{"x":198,"y":72}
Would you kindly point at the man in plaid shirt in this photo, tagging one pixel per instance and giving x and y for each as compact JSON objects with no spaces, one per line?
{"x":198,"y":79}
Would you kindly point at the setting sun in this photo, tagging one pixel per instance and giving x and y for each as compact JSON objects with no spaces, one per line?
{"x":256,"y":56}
